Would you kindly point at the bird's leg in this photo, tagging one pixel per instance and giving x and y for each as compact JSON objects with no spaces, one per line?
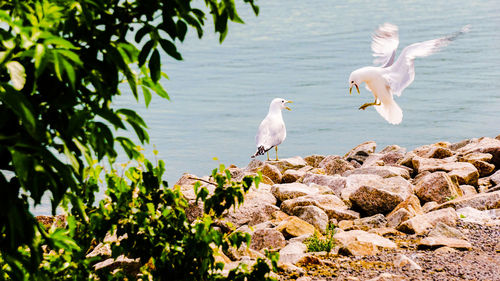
{"x":268,"y":156}
{"x":276,"y":148}
{"x":364,"y":106}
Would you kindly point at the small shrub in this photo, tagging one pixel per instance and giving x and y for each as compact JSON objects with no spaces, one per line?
{"x":318,"y":243}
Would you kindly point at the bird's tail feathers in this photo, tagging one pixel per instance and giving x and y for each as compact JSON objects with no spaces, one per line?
{"x":391,"y":112}
{"x":260,"y":151}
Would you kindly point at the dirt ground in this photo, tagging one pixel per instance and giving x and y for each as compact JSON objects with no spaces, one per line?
{"x":480,"y":263}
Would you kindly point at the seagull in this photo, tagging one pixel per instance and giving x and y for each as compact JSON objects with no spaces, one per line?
{"x":272,"y":131}
{"x":392,"y":76}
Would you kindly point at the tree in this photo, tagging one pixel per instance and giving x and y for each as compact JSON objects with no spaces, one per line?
{"x":61,"y":62}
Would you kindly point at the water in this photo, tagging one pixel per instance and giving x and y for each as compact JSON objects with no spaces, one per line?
{"x":304,"y":51}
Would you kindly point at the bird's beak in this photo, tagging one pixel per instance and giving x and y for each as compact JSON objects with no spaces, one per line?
{"x":288,"y":101}
{"x":357,"y":88}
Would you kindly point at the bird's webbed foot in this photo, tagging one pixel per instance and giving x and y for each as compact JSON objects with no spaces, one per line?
{"x":364,"y":106}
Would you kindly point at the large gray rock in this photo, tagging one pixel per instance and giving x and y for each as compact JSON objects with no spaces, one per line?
{"x":484,"y":145}
{"x":294,"y":163}
{"x":292,"y":253}
{"x":422,"y":224}
{"x":292,"y":190}
{"x":361,"y":152}
{"x":480,"y":161}
{"x":313,"y":215}
{"x":438,"y":187}
{"x":333,"y":165}
{"x":469,"y":214}
{"x":272,"y":172}
{"x":268,"y":238}
{"x":444,"y":230}
{"x":495,"y":178}
{"x":314,"y":160}
{"x":383,"y":171}
{"x":329,"y":203}
{"x":438,"y":151}
{"x":295,"y":175}
{"x":359,"y":242}
{"x":367,"y":223}
{"x":404,"y":211}
{"x":437,"y":242}
{"x":335,"y":182}
{"x":481,"y":201}
{"x":402,"y":261}
{"x":463,"y":172}
{"x":383,"y":197}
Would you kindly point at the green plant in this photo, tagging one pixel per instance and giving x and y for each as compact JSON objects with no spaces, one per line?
{"x":318,"y":243}
{"x":61,"y":66}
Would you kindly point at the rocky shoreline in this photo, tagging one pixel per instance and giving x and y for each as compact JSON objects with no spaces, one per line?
{"x":432,"y":213}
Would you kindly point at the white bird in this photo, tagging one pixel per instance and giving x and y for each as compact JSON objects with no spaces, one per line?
{"x":272,"y":131}
{"x":392,"y":77}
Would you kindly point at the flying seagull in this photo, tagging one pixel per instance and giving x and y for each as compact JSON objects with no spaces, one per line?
{"x":392,"y":76}
{"x":272,"y":131}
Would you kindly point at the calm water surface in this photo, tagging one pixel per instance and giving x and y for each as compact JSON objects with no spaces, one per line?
{"x":304,"y":51}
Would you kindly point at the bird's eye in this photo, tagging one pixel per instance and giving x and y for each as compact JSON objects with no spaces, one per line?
{"x":352,"y":81}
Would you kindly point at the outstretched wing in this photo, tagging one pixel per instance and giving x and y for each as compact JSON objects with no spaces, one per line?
{"x":402,"y":73}
{"x":385,"y":41}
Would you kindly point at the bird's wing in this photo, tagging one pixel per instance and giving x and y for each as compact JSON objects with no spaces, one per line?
{"x":402,"y":73}
{"x":270,"y":134}
{"x":385,"y":41}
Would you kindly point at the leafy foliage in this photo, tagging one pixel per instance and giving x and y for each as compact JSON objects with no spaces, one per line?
{"x":318,"y":243}
{"x":61,"y":64}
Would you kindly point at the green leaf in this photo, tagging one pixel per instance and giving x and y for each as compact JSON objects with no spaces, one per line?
{"x":20,"y":106}
{"x":144,"y":53}
{"x":155,"y":66}
{"x":17,"y":74}
{"x":170,"y":49}
{"x":142,"y":32}
{"x":147,"y":95}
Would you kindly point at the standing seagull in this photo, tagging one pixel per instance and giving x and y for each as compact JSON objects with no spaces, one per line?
{"x":392,"y":77}
{"x":272,"y":131}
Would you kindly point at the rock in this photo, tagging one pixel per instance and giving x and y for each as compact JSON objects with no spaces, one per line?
{"x":438,"y":151}
{"x":463,"y":172}
{"x":130,"y":266}
{"x":292,"y":253}
{"x":333,"y":165}
{"x":367,"y":223}
{"x":469,"y":214}
{"x":444,"y":230}
{"x":312,"y":215}
{"x":438,"y":187}
{"x":383,"y":171}
{"x":289,"y":268}
{"x":382,"y":197}
{"x":444,"y":250}
{"x":358,"y":248}
{"x":407,"y":160}
{"x":361,"y":152}
{"x":309,"y":260}
{"x":481,"y":201}
{"x":388,"y":277}
{"x":347,"y":237}
{"x":300,"y":238}
{"x":386,"y":231}
{"x":279,"y":216}
{"x":258,"y":207}
{"x":254,"y":165}
{"x":480,"y":161}
{"x":292,"y":176}
{"x":402,"y":261}
{"x":272,"y":172}
{"x":295,"y":227}
{"x":411,"y":204}
{"x":336,"y":182}
{"x":314,"y":160}
{"x":468,"y":190}
{"x":395,"y":218}
{"x":421,"y":224}
{"x":495,"y":178}
{"x":242,"y":252}
{"x":346,"y":224}
{"x":436,"y":242}
{"x":329,"y":203}
{"x":292,"y":190}
{"x":267,"y":238}
{"x":484,"y":145}
{"x":429,"y":206}
{"x":294,"y":163}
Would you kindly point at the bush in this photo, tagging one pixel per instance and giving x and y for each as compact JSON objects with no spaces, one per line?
{"x":318,"y":243}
